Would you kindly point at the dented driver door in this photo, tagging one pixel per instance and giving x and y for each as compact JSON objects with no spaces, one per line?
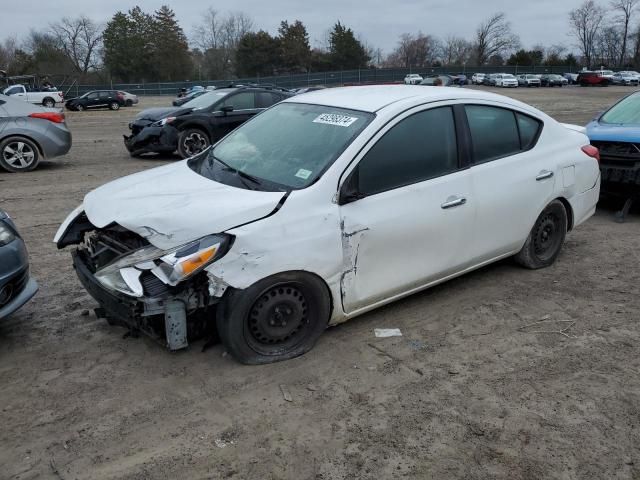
{"x":407,"y":211}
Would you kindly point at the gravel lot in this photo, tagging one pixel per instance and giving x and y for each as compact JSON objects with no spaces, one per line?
{"x":469,"y":390}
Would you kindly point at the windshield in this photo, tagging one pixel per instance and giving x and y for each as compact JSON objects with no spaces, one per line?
{"x":205,"y":100}
{"x":288,"y":146}
{"x":626,"y":111}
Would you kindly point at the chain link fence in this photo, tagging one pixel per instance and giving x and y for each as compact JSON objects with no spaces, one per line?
{"x":345,"y":77}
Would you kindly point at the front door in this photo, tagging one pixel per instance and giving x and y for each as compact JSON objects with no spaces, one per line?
{"x":407,"y":211}
{"x":244,"y":107}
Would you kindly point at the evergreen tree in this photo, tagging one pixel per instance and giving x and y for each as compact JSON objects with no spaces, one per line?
{"x":295,"y":52}
{"x":257,"y":54}
{"x":171,"y":58}
{"x":345,"y":51}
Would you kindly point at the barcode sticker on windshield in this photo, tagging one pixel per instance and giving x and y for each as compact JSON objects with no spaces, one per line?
{"x":335,"y":119}
{"x":303,"y":174}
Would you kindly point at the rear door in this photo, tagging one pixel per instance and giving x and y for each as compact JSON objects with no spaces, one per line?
{"x":512,"y":179}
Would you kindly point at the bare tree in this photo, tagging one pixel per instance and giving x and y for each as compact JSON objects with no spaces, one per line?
{"x":585,"y":22}
{"x":415,"y":51}
{"x":625,"y":10}
{"x":80,"y":39}
{"x":8,"y":49}
{"x":218,"y":37}
{"x":494,"y":38}
{"x":455,"y":50}
{"x":608,"y":45}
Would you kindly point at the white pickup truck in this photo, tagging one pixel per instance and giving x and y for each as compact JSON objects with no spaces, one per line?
{"x":44,"y":98}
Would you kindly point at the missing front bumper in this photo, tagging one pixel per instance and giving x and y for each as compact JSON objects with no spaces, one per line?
{"x":173,"y":319}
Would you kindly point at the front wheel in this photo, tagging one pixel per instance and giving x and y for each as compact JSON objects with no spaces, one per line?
{"x":192,"y":141}
{"x":277,"y":318}
{"x":546,"y":238}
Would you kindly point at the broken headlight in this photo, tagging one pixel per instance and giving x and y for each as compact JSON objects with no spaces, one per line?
{"x":170,"y":266}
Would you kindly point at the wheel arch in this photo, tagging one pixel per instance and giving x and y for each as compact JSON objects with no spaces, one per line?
{"x":233,"y":292}
{"x":569,"y":209}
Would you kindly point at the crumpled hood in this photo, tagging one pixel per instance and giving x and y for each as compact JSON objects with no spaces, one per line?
{"x":155,"y":114}
{"x":597,"y":131}
{"x":173,"y":205}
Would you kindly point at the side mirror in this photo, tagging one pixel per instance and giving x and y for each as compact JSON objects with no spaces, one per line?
{"x":349,"y":190}
{"x":226,"y":109}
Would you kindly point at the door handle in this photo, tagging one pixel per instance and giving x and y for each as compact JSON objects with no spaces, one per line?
{"x":543,"y":175}
{"x":453,"y":202}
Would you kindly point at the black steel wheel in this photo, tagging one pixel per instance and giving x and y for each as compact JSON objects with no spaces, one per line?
{"x":277,"y":318}
{"x":545,"y":241}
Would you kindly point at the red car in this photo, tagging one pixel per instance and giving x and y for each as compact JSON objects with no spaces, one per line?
{"x":586,"y":79}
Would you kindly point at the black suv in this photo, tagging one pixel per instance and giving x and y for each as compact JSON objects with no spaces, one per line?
{"x":111,"y":99}
{"x":192,"y":127}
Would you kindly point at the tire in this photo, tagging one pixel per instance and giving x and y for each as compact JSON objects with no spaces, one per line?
{"x":114,"y":106}
{"x":19,"y":154}
{"x":192,"y":141}
{"x":80,"y":107}
{"x":545,"y":240}
{"x":48,"y":102}
{"x":278,"y":318}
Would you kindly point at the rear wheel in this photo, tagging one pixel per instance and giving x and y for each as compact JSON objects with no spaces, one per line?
{"x":48,"y":102}
{"x":192,"y":141}
{"x":18,"y":154}
{"x":278,"y":318}
{"x":545,"y":240}
{"x":114,"y":106}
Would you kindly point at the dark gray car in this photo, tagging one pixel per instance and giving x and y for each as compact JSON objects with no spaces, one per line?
{"x":29,"y":133}
{"x":16,"y":287}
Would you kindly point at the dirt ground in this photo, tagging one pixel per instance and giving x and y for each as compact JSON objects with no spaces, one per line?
{"x":471,"y":390}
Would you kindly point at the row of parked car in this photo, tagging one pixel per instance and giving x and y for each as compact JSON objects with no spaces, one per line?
{"x":584,"y":78}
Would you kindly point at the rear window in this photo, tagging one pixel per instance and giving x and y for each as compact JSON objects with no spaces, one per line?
{"x":499,"y":132}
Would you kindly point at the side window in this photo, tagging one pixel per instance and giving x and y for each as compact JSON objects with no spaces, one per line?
{"x":494,"y":132}
{"x":529,"y":129}
{"x":92,"y":96}
{"x":420,"y":147}
{"x":241,"y":101}
{"x":266,"y":99}
{"x":104,"y":95}
{"x":13,"y":90}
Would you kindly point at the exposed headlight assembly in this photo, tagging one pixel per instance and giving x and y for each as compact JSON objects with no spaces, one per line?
{"x":170,"y":266}
{"x":6,"y":234}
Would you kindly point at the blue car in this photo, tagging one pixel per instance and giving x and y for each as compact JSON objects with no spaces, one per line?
{"x":616,"y":133}
{"x":16,"y":287}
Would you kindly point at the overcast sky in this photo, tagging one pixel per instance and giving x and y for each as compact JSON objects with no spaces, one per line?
{"x":379,"y":22}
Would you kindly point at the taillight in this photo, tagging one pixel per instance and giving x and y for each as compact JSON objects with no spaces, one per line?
{"x":592,"y":151}
{"x":55,"y":117}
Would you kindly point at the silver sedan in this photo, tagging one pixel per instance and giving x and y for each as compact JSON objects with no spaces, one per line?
{"x":29,"y":133}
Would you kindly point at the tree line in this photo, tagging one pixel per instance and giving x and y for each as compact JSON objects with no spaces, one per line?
{"x":135,"y":46}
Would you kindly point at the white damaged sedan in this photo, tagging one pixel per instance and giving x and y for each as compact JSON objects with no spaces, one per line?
{"x":326,"y":206}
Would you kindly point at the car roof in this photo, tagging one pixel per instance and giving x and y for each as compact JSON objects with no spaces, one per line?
{"x":374,"y":98}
